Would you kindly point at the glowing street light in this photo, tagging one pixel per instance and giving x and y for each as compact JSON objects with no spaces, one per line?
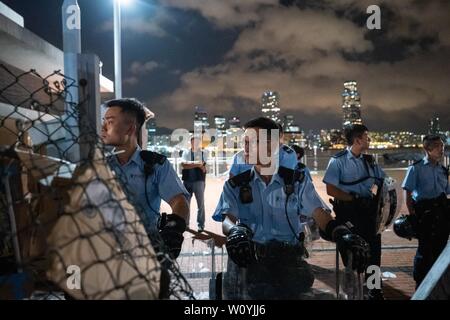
{"x":117,"y":47}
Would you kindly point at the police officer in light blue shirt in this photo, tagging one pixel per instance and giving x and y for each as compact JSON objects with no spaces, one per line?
{"x":427,"y":187}
{"x":260,"y":211}
{"x":351,"y":179}
{"x":147,"y":176}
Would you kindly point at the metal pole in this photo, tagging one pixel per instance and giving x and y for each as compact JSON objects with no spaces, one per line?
{"x":12,"y":220}
{"x":117,"y":51}
{"x":89,"y":107}
{"x":337,"y":274}
{"x":71,"y":23}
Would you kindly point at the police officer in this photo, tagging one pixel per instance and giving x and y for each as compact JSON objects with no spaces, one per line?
{"x":147,"y":176}
{"x":426,"y":184}
{"x":350,"y":178}
{"x":260,"y":211}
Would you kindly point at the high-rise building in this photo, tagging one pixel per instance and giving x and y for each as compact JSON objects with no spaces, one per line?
{"x":435,"y":127}
{"x":292,"y":132}
{"x":288,"y":123}
{"x":351,"y":104}
{"x":233,"y":134}
{"x":270,"y":105}
{"x":220,"y":123}
{"x":200,"y":119}
{"x":235,"y":123}
{"x":151,"y":128}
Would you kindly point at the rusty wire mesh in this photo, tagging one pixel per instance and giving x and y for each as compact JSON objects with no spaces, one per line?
{"x":68,"y":229}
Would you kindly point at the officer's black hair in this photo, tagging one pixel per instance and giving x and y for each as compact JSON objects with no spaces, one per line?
{"x":130,"y":106}
{"x":263,"y":123}
{"x":354,"y":131}
{"x":430,"y":141}
{"x":298,"y":150}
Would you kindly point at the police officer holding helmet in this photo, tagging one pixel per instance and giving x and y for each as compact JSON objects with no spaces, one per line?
{"x":353,"y":179}
{"x":260,"y":211}
{"x":427,"y":187}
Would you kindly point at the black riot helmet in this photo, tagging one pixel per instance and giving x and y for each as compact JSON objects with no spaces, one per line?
{"x":405,"y":227}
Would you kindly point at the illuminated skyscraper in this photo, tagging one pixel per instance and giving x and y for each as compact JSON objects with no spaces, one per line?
{"x":435,"y":127}
{"x":351,"y":104}
{"x":270,"y":105}
{"x":234,"y":123}
{"x":221,"y":124}
{"x":200,"y":119}
{"x":288,"y":122}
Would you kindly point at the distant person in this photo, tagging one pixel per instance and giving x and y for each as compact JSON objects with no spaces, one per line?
{"x":194,"y":176}
{"x":427,"y":187}
{"x":300,"y":152}
{"x":351,"y":177}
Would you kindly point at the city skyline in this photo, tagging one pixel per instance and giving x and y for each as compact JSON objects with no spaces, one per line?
{"x":223,"y":55}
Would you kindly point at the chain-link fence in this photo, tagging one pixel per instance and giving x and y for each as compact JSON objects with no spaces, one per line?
{"x":67,"y":227}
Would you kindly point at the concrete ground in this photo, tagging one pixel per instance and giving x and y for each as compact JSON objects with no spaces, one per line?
{"x":196,"y":257}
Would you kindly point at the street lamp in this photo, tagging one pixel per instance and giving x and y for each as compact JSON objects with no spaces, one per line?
{"x":118,"y":47}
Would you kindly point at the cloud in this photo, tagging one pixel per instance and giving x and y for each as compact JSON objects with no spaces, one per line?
{"x":300,"y":54}
{"x":300,"y":34}
{"x":149,"y":24}
{"x":225,"y":14}
{"x":131,"y":81}
{"x":139,"y":68}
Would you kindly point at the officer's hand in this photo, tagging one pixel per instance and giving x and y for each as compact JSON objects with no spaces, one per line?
{"x":240,"y":247}
{"x":406,"y":226}
{"x":351,"y":246}
{"x":171,"y":228}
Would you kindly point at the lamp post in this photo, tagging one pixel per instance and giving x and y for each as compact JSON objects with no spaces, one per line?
{"x":117,"y":50}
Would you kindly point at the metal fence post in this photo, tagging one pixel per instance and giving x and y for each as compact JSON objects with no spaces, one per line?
{"x":71,"y":25}
{"x":89,"y":106}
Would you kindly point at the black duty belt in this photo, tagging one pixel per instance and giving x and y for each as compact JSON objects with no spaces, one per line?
{"x":364,"y":202}
{"x":428,"y":204}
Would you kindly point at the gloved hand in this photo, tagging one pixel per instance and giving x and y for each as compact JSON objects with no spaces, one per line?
{"x":349,"y":245}
{"x":406,"y":226}
{"x":358,"y":248}
{"x":240,"y":247}
{"x":171,"y":228}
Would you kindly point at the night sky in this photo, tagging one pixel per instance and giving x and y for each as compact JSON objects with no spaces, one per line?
{"x":222,"y":54}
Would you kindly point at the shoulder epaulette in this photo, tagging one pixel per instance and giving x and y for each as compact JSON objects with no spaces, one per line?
{"x":151,"y":158}
{"x":241,"y":179}
{"x":287,"y":148}
{"x":340,"y":153}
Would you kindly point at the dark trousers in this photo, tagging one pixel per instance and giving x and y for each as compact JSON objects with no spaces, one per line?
{"x":362,"y":214}
{"x":197,"y":188}
{"x":433,"y":227}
